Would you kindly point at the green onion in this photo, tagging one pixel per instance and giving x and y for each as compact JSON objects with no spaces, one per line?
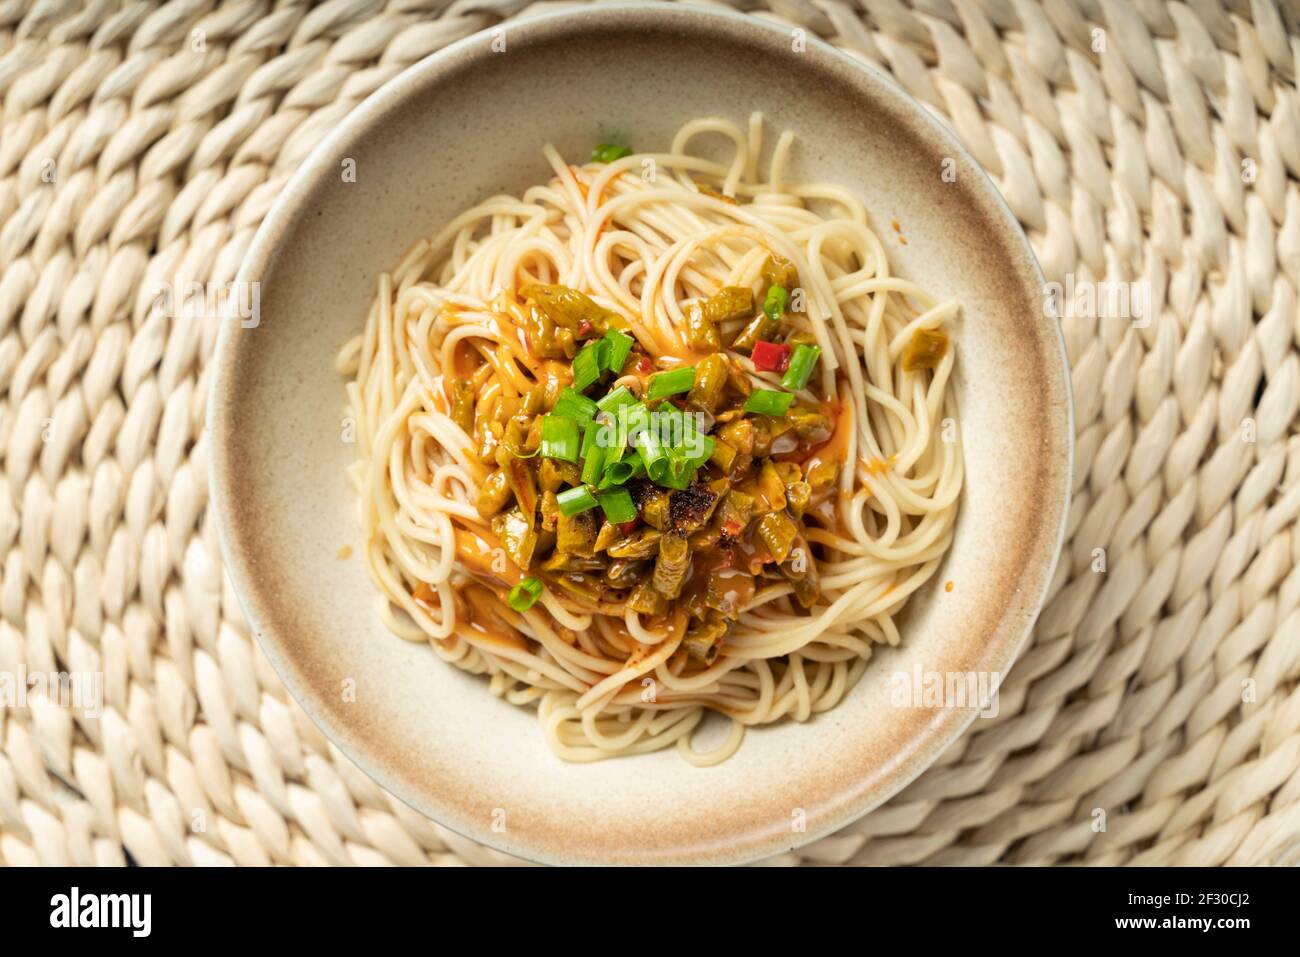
{"x":590,"y":436}
{"x":559,"y":438}
{"x":598,"y":449}
{"x":617,"y":399}
{"x":620,"y":472}
{"x":593,"y":465}
{"x":617,"y":505}
{"x":707,"y":445}
{"x":768,"y":402}
{"x":575,"y":500}
{"x":586,"y":366}
{"x":631,"y":419}
{"x":774,"y":304}
{"x":671,"y":383}
{"x":620,"y":347}
{"x":672,"y":425}
{"x":678,"y":463}
{"x":683,"y":461}
{"x":801,"y":366}
{"x":653,"y":455}
{"x":608,"y":152}
{"x":524,"y":595}
{"x":574,"y":405}
{"x":677,"y":482}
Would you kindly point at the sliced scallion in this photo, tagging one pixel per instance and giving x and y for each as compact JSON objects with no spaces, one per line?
{"x":678,"y":463}
{"x":768,"y":402}
{"x":774,"y":302}
{"x":615,"y":400}
{"x":617,"y":505}
{"x":574,"y":405}
{"x":653,"y":455}
{"x":672,"y":425}
{"x":559,"y":438}
{"x":621,"y":471}
{"x":608,"y":152}
{"x":671,"y":383}
{"x":677,"y":482}
{"x":575,"y":500}
{"x":524,"y":595}
{"x":586,"y":366}
{"x":706,"y":446}
{"x":620,"y":347}
{"x":590,"y":438}
{"x":593,"y":464}
{"x":631,"y":419}
{"x":801,"y":366}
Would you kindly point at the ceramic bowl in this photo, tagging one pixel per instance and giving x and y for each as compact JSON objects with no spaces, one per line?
{"x":469,"y":122}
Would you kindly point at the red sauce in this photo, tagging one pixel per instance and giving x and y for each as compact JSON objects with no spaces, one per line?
{"x":484,"y":618}
{"x":465,"y":359}
{"x":438,"y":396}
{"x":750,"y":554}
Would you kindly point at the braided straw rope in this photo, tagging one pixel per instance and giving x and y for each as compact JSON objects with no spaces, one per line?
{"x":1143,"y":140}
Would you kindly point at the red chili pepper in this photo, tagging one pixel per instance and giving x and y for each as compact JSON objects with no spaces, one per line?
{"x":627,"y":527}
{"x":770,"y":356}
{"x":584,"y":328}
{"x":644,"y":366}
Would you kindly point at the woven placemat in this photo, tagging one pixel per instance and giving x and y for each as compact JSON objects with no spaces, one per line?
{"x":1152,"y":721}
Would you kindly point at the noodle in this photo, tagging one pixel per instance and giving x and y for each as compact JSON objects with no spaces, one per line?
{"x":644,"y":236}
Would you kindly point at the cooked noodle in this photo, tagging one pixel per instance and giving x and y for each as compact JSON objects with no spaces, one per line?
{"x":645,"y":236}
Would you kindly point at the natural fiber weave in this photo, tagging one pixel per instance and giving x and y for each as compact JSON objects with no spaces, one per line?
{"x":1149,"y":140}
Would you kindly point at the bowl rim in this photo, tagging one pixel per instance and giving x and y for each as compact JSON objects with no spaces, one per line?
{"x":1005,"y":638}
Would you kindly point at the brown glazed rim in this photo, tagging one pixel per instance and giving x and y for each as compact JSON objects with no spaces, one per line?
{"x":859,"y":789}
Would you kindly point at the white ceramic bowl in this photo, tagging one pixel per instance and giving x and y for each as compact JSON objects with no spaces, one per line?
{"x":469,"y":122}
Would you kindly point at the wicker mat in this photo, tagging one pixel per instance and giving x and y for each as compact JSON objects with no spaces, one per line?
{"x":1155,"y":717}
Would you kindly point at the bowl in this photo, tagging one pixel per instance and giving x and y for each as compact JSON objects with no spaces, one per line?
{"x":469,"y":122}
